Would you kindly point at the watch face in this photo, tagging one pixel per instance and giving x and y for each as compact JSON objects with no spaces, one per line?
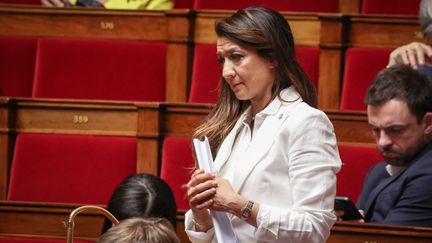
{"x":247,"y":211}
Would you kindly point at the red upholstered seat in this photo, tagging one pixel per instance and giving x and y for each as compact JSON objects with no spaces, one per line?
{"x":176,"y":168}
{"x":280,"y":5}
{"x":308,"y":58}
{"x":100,"y":69}
{"x":69,"y":168}
{"x":361,"y":66}
{"x":239,"y":4}
{"x":356,"y":163}
{"x":404,"y":7}
{"x":17,"y":64}
{"x":206,"y":71}
{"x":14,"y":239}
{"x":206,"y":75}
{"x":312,"y":5}
{"x":183,"y":3}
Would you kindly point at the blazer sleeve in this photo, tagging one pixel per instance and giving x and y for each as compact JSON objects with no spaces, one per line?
{"x":312,"y":160}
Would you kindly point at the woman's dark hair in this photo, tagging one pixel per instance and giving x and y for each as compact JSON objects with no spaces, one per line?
{"x":268,"y":33}
{"x":142,"y":195}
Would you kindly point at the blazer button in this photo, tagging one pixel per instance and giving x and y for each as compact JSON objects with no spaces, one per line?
{"x":280,"y":116}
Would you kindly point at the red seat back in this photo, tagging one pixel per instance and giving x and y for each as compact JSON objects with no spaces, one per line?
{"x":361,"y":66}
{"x":206,"y":75}
{"x":239,"y":4}
{"x":308,"y":58}
{"x":100,"y":69}
{"x":404,"y":7}
{"x":17,"y":64}
{"x":69,"y":168}
{"x":312,"y":5}
{"x":356,"y":162}
{"x":183,"y":4}
{"x":176,"y":168}
{"x":280,"y":5}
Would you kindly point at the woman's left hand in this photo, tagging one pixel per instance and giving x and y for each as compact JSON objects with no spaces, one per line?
{"x":226,"y":199}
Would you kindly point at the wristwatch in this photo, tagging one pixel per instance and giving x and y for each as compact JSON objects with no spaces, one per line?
{"x":247,"y":211}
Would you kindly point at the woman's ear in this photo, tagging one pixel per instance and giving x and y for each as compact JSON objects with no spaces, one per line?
{"x":272,"y":63}
{"x":427,"y":120}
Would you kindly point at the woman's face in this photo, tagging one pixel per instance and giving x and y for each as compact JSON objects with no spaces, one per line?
{"x":249,"y":75}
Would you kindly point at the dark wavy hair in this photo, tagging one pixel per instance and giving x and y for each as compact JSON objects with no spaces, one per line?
{"x":268,"y":33}
{"x":142,"y":195}
{"x":403,"y":83}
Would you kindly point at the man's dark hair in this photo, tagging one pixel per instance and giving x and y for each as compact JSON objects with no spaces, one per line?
{"x":403,"y":83}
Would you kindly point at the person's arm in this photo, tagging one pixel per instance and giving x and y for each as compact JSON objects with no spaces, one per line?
{"x":313,"y":161}
{"x":413,"y":54}
{"x":200,"y":192}
{"x":414,"y":207}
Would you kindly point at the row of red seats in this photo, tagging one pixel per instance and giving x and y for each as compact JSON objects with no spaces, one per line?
{"x":408,"y":7}
{"x":134,"y":70}
{"x":82,"y":69}
{"x":108,"y":69}
{"x":86,"y":169}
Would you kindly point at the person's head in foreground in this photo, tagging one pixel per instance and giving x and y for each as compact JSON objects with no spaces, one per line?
{"x":142,"y":195}
{"x":399,"y":107}
{"x":140,"y":230}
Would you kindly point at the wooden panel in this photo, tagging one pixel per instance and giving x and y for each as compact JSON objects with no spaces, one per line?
{"x":331,"y":49}
{"x":351,"y":127}
{"x":7,"y":117}
{"x":149,"y":141}
{"x":90,"y":23}
{"x":179,"y":55}
{"x":383,"y":31}
{"x":305,"y":27}
{"x":373,"y":233}
{"x":76,"y":117}
{"x":46,"y":220}
{"x":350,"y":6}
{"x":181,"y":119}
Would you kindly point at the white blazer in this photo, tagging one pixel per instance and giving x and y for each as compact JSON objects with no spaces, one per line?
{"x":289,"y":168}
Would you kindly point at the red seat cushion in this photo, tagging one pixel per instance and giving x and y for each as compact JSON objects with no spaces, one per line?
{"x":361,"y":66}
{"x":176,"y":168}
{"x":356,"y":162}
{"x":404,"y":7}
{"x":69,"y":168}
{"x":17,"y":64}
{"x":100,"y":69}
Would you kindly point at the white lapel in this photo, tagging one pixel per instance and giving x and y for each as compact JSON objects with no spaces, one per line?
{"x":225,"y":149}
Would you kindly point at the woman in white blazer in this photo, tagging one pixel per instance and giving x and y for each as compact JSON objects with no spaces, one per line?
{"x":276,"y":155}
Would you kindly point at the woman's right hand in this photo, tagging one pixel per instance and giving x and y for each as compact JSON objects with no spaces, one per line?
{"x":200,"y":191}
